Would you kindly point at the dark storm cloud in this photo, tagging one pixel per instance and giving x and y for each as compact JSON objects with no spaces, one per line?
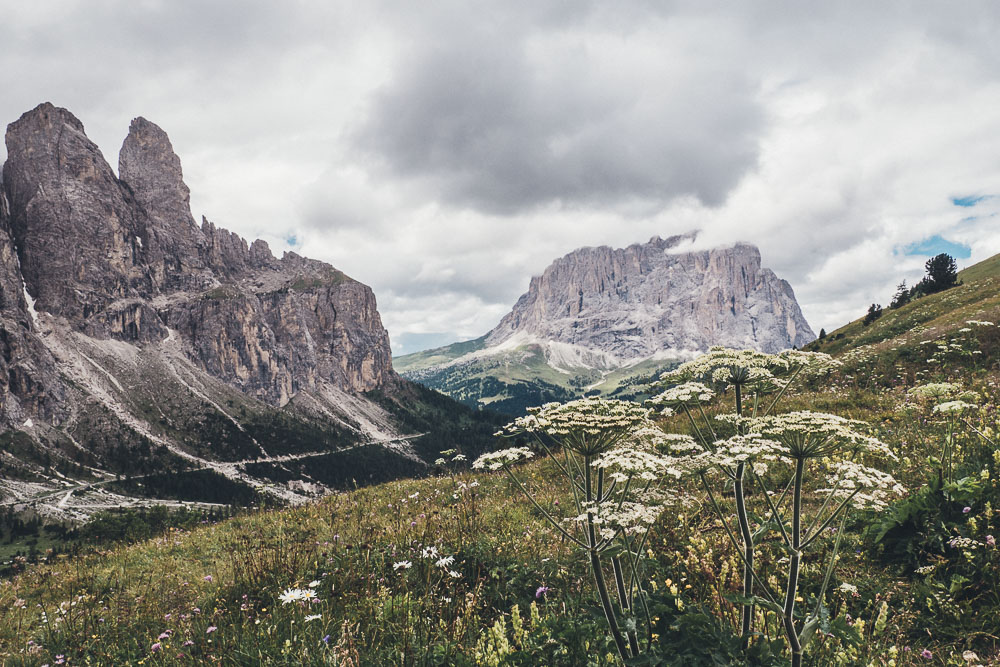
{"x":497,"y":116}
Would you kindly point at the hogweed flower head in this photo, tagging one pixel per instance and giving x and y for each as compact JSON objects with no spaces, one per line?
{"x":630,"y":517}
{"x":677,"y":444}
{"x":868,"y":488}
{"x":750,"y":448}
{"x":808,"y":434}
{"x":728,"y":367}
{"x":504,"y":457}
{"x":623,"y":463}
{"x":811,"y":363}
{"x":587,"y":426}
{"x":687,"y":393}
{"x":935,"y":390}
{"x":953,"y":407}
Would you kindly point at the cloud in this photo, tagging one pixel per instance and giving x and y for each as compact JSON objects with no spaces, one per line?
{"x":504,"y":116}
{"x":445,"y":152}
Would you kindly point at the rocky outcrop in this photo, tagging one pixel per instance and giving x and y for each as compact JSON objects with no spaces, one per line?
{"x":286,"y":329}
{"x":172,"y":245}
{"x":122,"y":258}
{"x":647,"y":299}
{"x":29,"y":384}
{"x":75,"y":229}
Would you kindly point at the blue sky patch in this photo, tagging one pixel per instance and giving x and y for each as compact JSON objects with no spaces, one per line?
{"x":936,"y":245}
{"x":292,"y":240}
{"x":968,"y":200}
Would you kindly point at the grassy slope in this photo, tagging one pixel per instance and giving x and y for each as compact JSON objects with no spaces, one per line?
{"x":516,"y":379}
{"x":228,"y":576}
{"x":416,"y":361}
{"x":375,"y":614}
{"x":977,"y":298}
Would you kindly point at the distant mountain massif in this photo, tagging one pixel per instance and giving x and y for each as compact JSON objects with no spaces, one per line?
{"x":135,"y":344}
{"x":603,"y":320}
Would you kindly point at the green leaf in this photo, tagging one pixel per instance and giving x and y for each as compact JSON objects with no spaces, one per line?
{"x":808,"y":630}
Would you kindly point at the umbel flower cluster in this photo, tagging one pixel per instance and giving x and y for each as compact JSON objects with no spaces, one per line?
{"x":762,"y":439}
{"x":617,"y":460}
{"x":587,"y":426}
{"x":608,"y":452}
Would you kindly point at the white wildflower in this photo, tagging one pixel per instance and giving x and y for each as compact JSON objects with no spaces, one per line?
{"x":935,"y":390}
{"x":683,"y":394}
{"x":865,"y":486}
{"x":625,"y":462}
{"x":730,"y":367}
{"x":402,"y":565}
{"x":587,"y":426}
{"x":953,"y":406}
{"x":739,"y":449}
{"x":809,"y":434}
{"x":504,"y":457}
{"x":295,"y":595}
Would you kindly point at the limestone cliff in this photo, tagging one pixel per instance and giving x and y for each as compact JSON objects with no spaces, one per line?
{"x":607,"y":321}
{"x":123,"y":258}
{"x":133,"y":339}
{"x":648,"y":299}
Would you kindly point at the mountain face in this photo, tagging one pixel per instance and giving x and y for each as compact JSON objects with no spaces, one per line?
{"x":600,"y":319}
{"x":132,"y":338}
{"x":647,"y":299}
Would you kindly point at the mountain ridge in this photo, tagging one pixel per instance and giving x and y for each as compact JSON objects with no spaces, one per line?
{"x":133,"y":340}
{"x":599,"y":312}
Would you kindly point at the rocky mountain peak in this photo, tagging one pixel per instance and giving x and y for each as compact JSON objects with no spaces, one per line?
{"x":172,"y":244}
{"x":654,"y":299}
{"x":74,"y":229}
{"x":120,"y":257}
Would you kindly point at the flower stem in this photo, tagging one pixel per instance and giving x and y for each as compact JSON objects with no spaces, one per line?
{"x":746,"y":613}
{"x":595,"y":566}
{"x":795,"y":558}
{"x":626,"y":603}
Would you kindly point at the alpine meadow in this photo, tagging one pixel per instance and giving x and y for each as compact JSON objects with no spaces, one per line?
{"x":499,"y":334}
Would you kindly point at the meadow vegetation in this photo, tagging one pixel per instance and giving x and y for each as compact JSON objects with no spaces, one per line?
{"x":460,"y":568}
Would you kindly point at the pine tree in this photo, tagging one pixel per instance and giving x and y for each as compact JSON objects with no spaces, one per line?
{"x":874,"y":312}
{"x":901,"y":297}
{"x":942,"y":273}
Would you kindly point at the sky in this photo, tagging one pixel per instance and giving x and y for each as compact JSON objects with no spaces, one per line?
{"x":443,"y":152}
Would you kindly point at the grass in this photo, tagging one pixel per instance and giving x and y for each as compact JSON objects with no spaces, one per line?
{"x":212,"y":593}
{"x":111,"y":606}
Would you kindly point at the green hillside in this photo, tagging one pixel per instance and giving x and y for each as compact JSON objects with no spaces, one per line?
{"x":459,"y":569}
{"x":928,"y":334}
{"x":417,"y":361}
{"x":512,"y":380}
